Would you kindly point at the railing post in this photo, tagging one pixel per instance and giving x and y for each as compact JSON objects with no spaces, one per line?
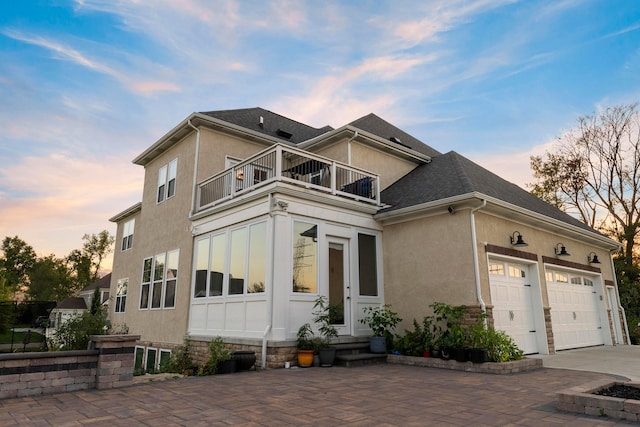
{"x":278,"y":161}
{"x":378,"y":189}
{"x":334,"y":184}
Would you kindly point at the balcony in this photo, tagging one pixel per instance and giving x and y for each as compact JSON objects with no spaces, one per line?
{"x":292,"y":166}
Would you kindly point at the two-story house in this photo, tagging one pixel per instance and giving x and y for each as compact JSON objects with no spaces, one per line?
{"x":247,"y":216}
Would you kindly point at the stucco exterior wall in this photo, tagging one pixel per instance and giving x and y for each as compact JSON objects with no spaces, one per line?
{"x":215,"y":146}
{"x":427,"y":260}
{"x":390,"y":168}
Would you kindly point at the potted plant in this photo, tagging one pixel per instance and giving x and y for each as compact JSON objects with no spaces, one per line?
{"x":220,"y":360}
{"x":324,"y":313}
{"x":479,"y":337}
{"x":382,"y":322}
{"x":305,"y":346}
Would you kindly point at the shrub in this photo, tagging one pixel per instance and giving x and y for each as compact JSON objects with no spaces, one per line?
{"x":501,"y":347}
{"x":218,"y":352}
{"x":181,"y":360}
{"x":74,"y":334}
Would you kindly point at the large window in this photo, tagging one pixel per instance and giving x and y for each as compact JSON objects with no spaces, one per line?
{"x":167,"y":180}
{"x":159,"y":281}
{"x":367,"y":265}
{"x":121,"y":295}
{"x":127,"y":235}
{"x":305,"y":257}
{"x":232,"y":262}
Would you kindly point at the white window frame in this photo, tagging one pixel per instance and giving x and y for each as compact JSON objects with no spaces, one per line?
{"x":127,"y":235}
{"x":162,"y":283}
{"x":121,"y":298}
{"x":166,"y":188}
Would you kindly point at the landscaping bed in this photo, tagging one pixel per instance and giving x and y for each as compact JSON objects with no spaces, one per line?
{"x":604,"y":399}
{"x":502,"y":368}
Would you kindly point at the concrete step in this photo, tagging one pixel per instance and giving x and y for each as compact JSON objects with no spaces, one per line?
{"x":359,"y":359}
{"x":351,"y":348}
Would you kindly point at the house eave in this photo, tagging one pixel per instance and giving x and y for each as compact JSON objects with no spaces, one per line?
{"x":198,"y":119}
{"x":127,"y":212}
{"x":366,"y":138}
{"x":501,"y":208}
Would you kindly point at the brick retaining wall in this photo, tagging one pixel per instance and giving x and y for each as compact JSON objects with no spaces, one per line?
{"x":108,"y":365}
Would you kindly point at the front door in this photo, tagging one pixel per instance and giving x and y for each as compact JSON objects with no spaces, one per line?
{"x":339,"y":284}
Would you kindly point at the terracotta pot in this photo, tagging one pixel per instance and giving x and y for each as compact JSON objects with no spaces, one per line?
{"x":426,"y":354}
{"x":305,"y":358}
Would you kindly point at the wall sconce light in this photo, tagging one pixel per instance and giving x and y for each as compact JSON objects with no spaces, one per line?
{"x":517,"y":241}
{"x":593,"y":258}
{"x":561,"y":250}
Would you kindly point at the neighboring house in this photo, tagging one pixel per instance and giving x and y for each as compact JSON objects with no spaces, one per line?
{"x":72,"y":306}
{"x":247,"y":216}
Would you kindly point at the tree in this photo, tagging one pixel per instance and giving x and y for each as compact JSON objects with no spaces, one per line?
{"x":594,"y":172}
{"x":16,"y":262}
{"x":96,"y":303}
{"x":50,"y":280}
{"x":96,"y":247}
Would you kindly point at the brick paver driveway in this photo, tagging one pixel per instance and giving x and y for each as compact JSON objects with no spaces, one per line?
{"x":381,"y":395}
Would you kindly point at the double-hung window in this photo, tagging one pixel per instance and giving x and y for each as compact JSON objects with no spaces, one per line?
{"x":127,"y":235}
{"x":159,"y":281}
{"x":167,"y":180}
{"x":121,"y":295}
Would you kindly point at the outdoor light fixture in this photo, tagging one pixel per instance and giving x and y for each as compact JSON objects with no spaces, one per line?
{"x":517,"y":241}
{"x":562,"y":251}
{"x":593,"y":259}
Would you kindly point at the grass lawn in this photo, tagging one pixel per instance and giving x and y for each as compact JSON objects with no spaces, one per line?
{"x":5,"y":338}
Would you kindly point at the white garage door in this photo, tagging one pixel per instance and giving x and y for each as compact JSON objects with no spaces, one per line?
{"x":575,"y":316}
{"x":512,"y":303}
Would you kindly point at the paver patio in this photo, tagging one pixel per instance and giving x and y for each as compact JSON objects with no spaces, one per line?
{"x":378,"y":395}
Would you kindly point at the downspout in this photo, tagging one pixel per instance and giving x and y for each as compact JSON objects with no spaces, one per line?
{"x":265,"y":334}
{"x":349,"y":147}
{"x":476,"y":266}
{"x":615,"y":282}
{"x":195,"y":168}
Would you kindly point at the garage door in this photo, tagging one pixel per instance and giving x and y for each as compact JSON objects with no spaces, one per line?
{"x":575,"y":314}
{"x":512,"y":303}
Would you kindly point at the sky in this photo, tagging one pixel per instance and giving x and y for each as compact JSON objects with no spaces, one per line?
{"x":87,"y":85}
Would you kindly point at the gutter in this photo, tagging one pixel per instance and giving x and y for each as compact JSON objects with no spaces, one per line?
{"x":476,"y":266}
{"x":195,"y":169}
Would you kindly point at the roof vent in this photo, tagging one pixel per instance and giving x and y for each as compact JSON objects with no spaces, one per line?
{"x":261,"y":124}
{"x":395,"y":139}
{"x":284,"y":134}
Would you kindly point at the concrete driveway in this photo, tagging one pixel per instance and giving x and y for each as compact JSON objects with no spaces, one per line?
{"x":622,"y":360}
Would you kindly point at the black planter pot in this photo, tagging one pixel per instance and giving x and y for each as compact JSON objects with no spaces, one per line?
{"x":226,"y":367}
{"x":460,"y":355}
{"x":244,"y":360}
{"x":436,"y":353}
{"x":327,"y":356}
{"x":478,"y":355}
{"x":378,"y":345}
{"x":445,"y":353}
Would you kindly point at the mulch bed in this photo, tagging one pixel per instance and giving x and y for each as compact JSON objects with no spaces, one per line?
{"x":621,"y":391}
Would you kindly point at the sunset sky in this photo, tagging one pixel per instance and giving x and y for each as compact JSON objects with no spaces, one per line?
{"x":87,"y":85}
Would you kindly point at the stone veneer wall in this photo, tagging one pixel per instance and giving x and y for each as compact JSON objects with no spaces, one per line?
{"x":109,"y":364}
{"x":277,"y":355}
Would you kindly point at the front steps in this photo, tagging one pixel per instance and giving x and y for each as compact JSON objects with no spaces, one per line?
{"x":356,"y":353}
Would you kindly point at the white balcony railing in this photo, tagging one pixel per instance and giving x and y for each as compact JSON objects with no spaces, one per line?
{"x":297,"y":167}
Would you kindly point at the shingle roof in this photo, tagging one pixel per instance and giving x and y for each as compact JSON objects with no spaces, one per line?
{"x":380,"y":127}
{"x":273,"y":124}
{"x":450,"y":175}
{"x":102,"y":283}
{"x":72,"y":303}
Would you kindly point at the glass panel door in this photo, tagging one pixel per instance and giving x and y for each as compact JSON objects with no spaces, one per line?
{"x":339,"y":284}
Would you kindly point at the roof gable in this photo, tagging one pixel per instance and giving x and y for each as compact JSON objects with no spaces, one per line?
{"x":103,"y":283}
{"x":451,"y":175}
{"x":380,"y":127}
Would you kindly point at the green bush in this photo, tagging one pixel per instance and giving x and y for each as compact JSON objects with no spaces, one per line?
{"x":501,"y":347}
{"x":218,"y":352}
{"x":181,"y":360}
{"x":75,"y":333}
